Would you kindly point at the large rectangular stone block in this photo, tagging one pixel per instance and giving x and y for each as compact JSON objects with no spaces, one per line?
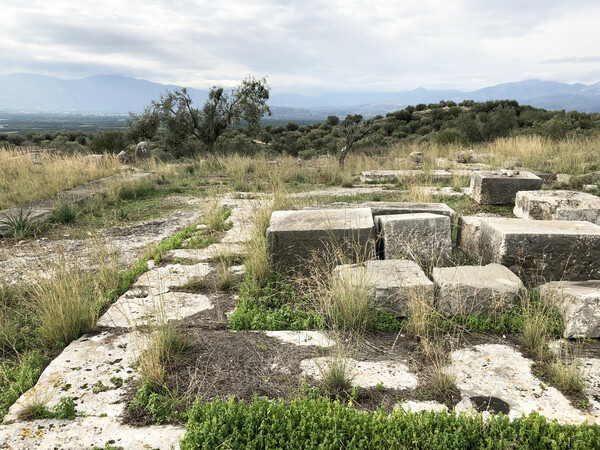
{"x":295,"y":236}
{"x":423,"y":237}
{"x":557,"y":205}
{"x":389,"y":208}
{"x":391,"y":283}
{"x":540,"y":251}
{"x":578,"y":302}
{"x":498,"y":188}
{"x":390,"y":176}
{"x":476,"y":289}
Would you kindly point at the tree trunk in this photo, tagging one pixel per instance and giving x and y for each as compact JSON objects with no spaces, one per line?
{"x":342,"y":157}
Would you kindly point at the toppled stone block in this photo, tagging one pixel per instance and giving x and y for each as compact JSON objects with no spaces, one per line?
{"x":476,"y":289}
{"x":578,"y":302}
{"x":390,"y":176}
{"x":389,"y":208}
{"x":390,"y":283}
{"x":295,"y":236}
{"x":557,"y":205}
{"x":423,"y":237}
{"x":500,"y":188}
{"x":541,"y":251}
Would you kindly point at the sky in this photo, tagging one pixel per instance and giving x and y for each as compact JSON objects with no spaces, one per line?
{"x":307,"y":46}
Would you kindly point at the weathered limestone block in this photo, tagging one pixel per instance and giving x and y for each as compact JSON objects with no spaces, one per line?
{"x":557,"y":205}
{"x":579,"y":304}
{"x":541,"y":251}
{"x":423,"y":237}
{"x":390,"y":283}
{"x":476,"y":289}
{"x":500,"y":188}
{"x":382,"y":176}
{"x":388,"y":208}
{"x":142,"y":150}
{"x":295,"y":236}
{"x":468,"y":237}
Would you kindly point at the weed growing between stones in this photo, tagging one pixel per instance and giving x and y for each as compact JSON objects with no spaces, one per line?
{"x":20,"y":225}
{"x":65,"y":213}
{"x":64,"y":409}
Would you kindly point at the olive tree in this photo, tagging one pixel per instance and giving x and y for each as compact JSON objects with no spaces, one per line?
{"x":352,"y":129}
{"x":181,"y":120}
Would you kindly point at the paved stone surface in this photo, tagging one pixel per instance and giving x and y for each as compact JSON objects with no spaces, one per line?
{"x":578,"y":302}
{"x":84,"y":370}
{"x":87,"y":433}
{"x":161,"y":279}
{"x":212,"y":252}
{"x":499,"y":371}
{"x":294,"y":236}
{"x":378,"y":176}
{"x":542,"y":251}
{"x":557,"y":205}
{"x":389,"y":208}
{"x":477,"y":289}
{"x":392,"y":374}
{"x":139,"y":307}
{"x":591,"y":371}
{"x":302,"y":338}
{"x":422,"y":237}
{"x":415,"y":406}
{"x":391,"y":283}
{"x":497,"y":188}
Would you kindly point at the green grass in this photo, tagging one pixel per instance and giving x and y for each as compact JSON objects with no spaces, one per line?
{"x":324,"y":424}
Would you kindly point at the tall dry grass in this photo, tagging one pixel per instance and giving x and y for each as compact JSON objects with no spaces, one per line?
{"x":25,"y":178}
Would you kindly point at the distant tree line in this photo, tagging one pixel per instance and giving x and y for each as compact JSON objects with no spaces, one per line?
{"x":229,"y":123}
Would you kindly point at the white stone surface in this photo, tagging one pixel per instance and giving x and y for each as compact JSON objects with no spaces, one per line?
{"x":302,"y":338}
{"x":86,"y":433}
{"x":161,"y":279}
{"x":590,"y":367}
{"x":494,"y":370}
{"x":138,"y":307}
{"x":392,"y":374}
{"x":212,"y":252}
{"x":557,"y":205}
{"x":85,"y":362}
{"x":578,"y":302}
{"x":415,"y":406}
{"x":377,"y":176}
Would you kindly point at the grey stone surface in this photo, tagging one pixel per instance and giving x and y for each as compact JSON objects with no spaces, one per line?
{"x":391,"y":283}
{"x":378,"y":176}
{"x":557,"y":205}
{"x":541,"y":251}
{"x":578,"y":302}
{"x":476,"y":289}
{"x":295,"y":236}
{"x":142,"y":150}
{"x":388,"y":208}
{"x":500,"y":188}
{"x":468,"y":237}
{"x":422,"y":237}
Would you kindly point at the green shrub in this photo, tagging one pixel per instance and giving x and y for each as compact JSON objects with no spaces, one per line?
{"x":321,"y":423}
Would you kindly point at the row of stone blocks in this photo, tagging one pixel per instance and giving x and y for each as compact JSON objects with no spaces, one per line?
{"x":395,"y":285}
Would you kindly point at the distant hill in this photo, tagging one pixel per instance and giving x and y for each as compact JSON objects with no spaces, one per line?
{"x":115,"y":94}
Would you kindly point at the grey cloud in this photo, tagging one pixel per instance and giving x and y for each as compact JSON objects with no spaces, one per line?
{"x":572,"y":59}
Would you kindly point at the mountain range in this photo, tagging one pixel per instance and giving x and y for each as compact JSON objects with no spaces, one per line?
{"x":115,"y":94}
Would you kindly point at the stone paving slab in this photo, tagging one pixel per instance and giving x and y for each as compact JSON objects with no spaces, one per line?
{"x":84,"y":366}
{"x":500,"y":371}
{"x":302,"y":338}
{"x":392,"y":374}
{"x":415,"y":406}
{"x":161,"y":279}
{"x":87,"y":433}
{"x":377,"y":176}
{"x":578,"y":302}
{"x":139,"y":307}
{"x":389,"y":208}
{"x":557,"y":205}
{"x":209,"y":253}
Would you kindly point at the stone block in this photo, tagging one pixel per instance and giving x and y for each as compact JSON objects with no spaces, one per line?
{"x":500,"y":188}
{"x":476,"y":289}
{"x":295,"y":236}
{"x":557,"y":205}
{"x":542,"y":251}
{"x":389,"y":208}
{"x":578,"y":302}
{"x":390,"y":176}
{"x":390,"y":283}
{"x":468,"y":236}
{"x":423,"y":237}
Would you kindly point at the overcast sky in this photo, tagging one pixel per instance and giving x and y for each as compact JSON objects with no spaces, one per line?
{"x":308,"y":46}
